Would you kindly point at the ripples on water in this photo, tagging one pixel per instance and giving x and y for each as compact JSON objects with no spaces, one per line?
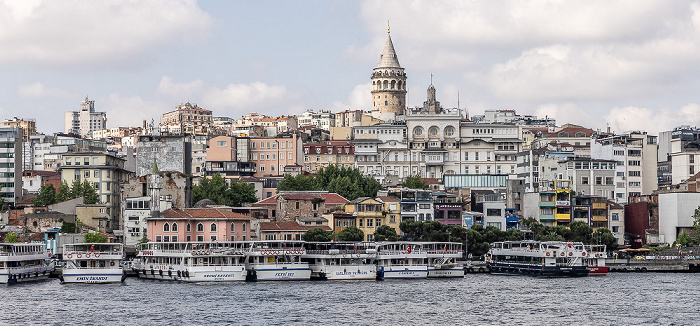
{"x":616,"y":299}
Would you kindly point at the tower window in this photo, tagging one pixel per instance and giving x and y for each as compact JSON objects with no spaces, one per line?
{"x":386,"y":84}
{"x":386,"y":102}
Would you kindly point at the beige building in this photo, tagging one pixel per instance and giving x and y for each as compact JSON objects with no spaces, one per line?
{"x":318,"y":156}
{"x":28,"y":126}
{"x":190,"y":118}
{"x":271,"y":155}
{"x":95,"y":217}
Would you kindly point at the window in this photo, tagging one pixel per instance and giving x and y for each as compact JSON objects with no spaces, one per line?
{"x":449,"y":131}
{"x":635,"y":173}
{"x":636,"y":163}
{"x":173,"y":238}
{"x":584,"y":180}
{"x":188,"y":238}
{"x":296,"y":204}
{"x":609,"y":181}
{"x":213,"y":238}
{"x":546,"y":211}
{"x":599,"y":180}
{"x":369,"y":222}
{"x":200,"y":238}
{"x":188,"y":228}
{"x":86,"y":160}
{"x":243,"y":227}
{"x":220,"y":143}
{"x":233,"y":228}
{"x":200,"y":227}
{"x":361,"y":222}
{"x":615,"y":217}
{"x":615,"y":229}
{"x":174,"y":228}
{"x":379,"y":222}
{"x":212,"y":227}
{"x":87,"y":174}
{"x":159,"y":238}
{"x":493,"y":212}
{"x":166,"y":227}
{"x":96,"y":174}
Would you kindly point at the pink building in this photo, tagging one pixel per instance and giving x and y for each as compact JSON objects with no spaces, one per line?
{"x":199,"y":224}
{"x":271,"y":155}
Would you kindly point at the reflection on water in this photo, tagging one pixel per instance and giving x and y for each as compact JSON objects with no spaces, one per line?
{"x":648,"y":298}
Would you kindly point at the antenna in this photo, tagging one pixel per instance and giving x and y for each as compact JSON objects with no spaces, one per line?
{"x":431,"y":78}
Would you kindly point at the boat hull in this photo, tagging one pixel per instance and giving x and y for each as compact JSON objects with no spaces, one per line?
{"x":228,"y":274}
{"x":348,"y":272}
{"x":598,"y":270}
{"x":111,"y":275}
{"x":445,"y":273}
{"x":538,"y":270}
{"x":402,"y":272}
{"x":272,"y":273}
{"x":24,"y":275}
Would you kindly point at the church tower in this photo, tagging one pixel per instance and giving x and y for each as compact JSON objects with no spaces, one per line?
{"x":389,"y":82}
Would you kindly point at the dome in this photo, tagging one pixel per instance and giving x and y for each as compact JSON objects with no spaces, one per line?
{"x":204,"y":203}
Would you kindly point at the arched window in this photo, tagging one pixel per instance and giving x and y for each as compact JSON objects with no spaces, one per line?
{"x":393,"y":84}
{"x":400,"y":84}
{"x":386,"y":84}
{"x":189,"y":227}
{"x":212,"y":227}
{"x":200,"y":227}
{"x":174,"y":227}
{"x":418,"y":131}
{"x":243,"y":226}
{"x":233,"y":227}
{"x":449,"y":131}
{"x":166,"y":227}
{"x":433,"y":131}
{"x":386,"y":102}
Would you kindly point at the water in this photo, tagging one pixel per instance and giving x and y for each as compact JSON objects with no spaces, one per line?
{"x":478,"y":299}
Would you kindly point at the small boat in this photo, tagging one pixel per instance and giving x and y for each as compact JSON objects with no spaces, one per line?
{"x":93,"y":263}
{"x":535,"y":258}
{"x":192,"y":261}
{"x":341,"y":260}
{"x":442,"y":259}
{"x":277,"y":261}
{"x":401,"y":260}
{"x":24,"y":262}
{"x":595,"y":260}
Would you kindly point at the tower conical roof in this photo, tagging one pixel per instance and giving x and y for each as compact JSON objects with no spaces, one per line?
{"x":388,"y":58}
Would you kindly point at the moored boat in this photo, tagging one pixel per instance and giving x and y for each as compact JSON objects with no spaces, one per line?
{"x":93,"y":263}
{"x":277,"y":261}
{"x":534,"y":258}
{"x":401,"y":260}
{"x":24,"y":262}
{"x":192,"y":261}
{"x":442,"y":259}
{"x":595,"y":260}
{"x":341,"y":260}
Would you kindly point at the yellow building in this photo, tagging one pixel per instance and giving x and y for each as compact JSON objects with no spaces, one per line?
{"x":371,"y":213}
{"x":319,"y":156}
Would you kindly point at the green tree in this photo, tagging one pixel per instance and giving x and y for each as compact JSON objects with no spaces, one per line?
{"x":144,"y":238}
{"x":298,"y":182}
{"x":696,"y":225}
{"x":580,"y":231}
{"x":684,"y":239}
{"x":46,"y":196}
{"x":475,"y":241}
{"x":347,"y":182}
{"x":350,"y":234}
{"x":95,"y":237}
{"x":385,"y":233}
{"x":68,"y":227}
{"x":317,"y":235}
{"x":604,"y":236}
{"x":64,"y":192}
{"x":76,"y":189}
{"x":550,"y":236}
{"x":3,"y":205}
{"x":240,"y":193}
{"x":414,"y":182}
{"x":412,"y":230}
{"x":514,"y":235}
{"x":90,"y":195}
{"x":11,"y":237}
{"x":213,"y":188}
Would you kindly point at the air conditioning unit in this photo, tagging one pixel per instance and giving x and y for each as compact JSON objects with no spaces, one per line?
{"x":137,"y":222}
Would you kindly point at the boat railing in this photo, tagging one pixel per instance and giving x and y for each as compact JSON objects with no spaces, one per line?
{"x":442,"y":252}
{"x":100,"y":254}
{"x":26,"y":269}
{"x":340,"y":252}
{"x":400,"y":252}
{"x":7,"y":254}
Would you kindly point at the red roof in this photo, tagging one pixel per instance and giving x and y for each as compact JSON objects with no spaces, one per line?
{"x":329,"y":198}
{"x":289,"y":226}
{"x":203,"y":213}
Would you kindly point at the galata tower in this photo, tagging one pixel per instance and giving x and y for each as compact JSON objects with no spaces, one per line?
{"x":389,"y":82}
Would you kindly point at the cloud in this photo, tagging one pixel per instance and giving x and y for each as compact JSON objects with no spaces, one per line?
{"x":130,"y":111}
{"x":358,"y":99}
{"x":653,"y":121}
{"x":252,"y":97}
{"x":39,"y":90}
{"x":73,"y":32}
{"x":183,"y":91}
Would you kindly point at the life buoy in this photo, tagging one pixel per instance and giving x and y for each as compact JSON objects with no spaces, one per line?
{"x":277,"y":252}
{"x":562,"y":254}
{"x":79,"y":255}
{"x":112,"y":264}
{"x":207,"y":252}
{"x":358,"y":255}
{"x":548,"y":253}
{"x":87,"y":255}
{"x":571,"y":253}
{"x":97,"y":254}
{"x":597,"y":255}
{"x":69,"y":255}
{"x":584,"y":254}
{"x":49,"y":254}
{"x":345,"y":255}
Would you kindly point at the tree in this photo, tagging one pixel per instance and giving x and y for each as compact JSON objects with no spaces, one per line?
{"x":385,"y":233}
{"x":240,"y":193}
{"x":11,"y":237}
{"x":46,"y":196}
{"x":580,"y":231}
{"x":90,"y":195}
{"x":95,"y":238}
{"x":347,"y":182}
{"x":68,"y":227}
{"x":684,"y":239}
{"x":350,"y":234}
{"x":64,"y":192}
{"x":317,"y":235}
{"x":298,"y":182}
{"x":414,"y":182}
{"x":76,"y":189}
{"x":696,"y":225}
{"x":604,"y":236}
{"x":236,"y":193}
{"x":144,"y":238}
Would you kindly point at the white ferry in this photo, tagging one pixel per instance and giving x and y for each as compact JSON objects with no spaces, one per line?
{"x":277,"y":261}
{"x":401,"y":260}
{"x":595,"y":259}
{"x":442,"y":259}
{"x":192,"y":261}
{"x":93,"y":263}
{"x":24,"y":262}
{"x":341,"y":260}
{"x":534,"y":258}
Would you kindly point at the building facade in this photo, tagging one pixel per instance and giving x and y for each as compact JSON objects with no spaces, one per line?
{"x":86,"y":120}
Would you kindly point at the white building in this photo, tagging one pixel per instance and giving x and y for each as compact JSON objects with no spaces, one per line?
{"x":85,"y":121}
{"x":11,"y":164}
{"x":676,"y":214}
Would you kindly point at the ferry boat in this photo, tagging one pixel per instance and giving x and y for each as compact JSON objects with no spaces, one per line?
{"x":534,"y":258}
{"x":341,"y":260}
{"x":24,"y":262}
{"x":192,"y":261}
{"x":93,"y":263}
{"x":401,"y":260}
{"x":277,"y":261}
{"x":442,"y":259}
{"x":595,"y":259}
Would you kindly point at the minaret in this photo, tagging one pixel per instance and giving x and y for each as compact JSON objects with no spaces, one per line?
{"x":432,"y":105}
{"x":389,"y":82}
{"x":154,"y":186}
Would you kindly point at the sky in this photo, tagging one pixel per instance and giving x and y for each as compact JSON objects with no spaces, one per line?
{"x":627,"y":65}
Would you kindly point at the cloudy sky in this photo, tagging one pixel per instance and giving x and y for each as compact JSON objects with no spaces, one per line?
{"x":630,"y":65}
